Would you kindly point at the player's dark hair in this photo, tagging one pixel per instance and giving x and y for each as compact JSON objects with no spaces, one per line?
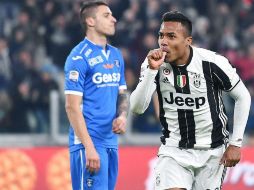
{"x":87,"y":10}
{"x":176,"y":16}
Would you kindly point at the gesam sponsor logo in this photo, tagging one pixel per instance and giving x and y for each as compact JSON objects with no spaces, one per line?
{"x":99,"y":78}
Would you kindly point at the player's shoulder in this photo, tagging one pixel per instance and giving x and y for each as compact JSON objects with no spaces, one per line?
{"x":76,"y":57}
{"x":81,"y":52}
{"x":209,"y":55}
{"x":79,"y":49}
{"x":205,"y":54}
{"x":113,"y":49}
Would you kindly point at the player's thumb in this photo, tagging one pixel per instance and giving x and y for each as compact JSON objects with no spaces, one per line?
{"x":115,"y":123}
{"x":164,"y":55}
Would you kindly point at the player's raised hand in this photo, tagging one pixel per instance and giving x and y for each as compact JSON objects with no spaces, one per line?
{"x":119,"y":125}
{"x":231,"y":156}
{"x":156,"y":58}
{"x":92,"y":160}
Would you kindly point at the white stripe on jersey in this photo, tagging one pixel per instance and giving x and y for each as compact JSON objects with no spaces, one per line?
{"x":76,"y":139}
{"x":73,"y":92}
{"x":82,"y":170}
{"x":83,"y":48}
{"x":223,"y":116}
{"x":123,"y":87}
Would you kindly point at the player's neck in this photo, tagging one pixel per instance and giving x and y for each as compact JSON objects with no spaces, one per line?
{"x":100,"y":40}
{"x":184,"y":59}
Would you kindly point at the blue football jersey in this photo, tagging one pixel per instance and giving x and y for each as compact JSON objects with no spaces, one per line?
{"x":96,"y":75}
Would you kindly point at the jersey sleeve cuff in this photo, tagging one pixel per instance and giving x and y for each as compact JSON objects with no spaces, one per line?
{"x":238,"y":144}
{"x":73,"y":92}
{"x":123,"y":87}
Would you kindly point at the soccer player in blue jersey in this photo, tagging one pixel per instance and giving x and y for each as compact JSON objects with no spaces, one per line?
{"x":96,"y":101}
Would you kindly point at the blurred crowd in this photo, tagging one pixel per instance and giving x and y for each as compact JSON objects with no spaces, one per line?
{"x":37,"y":35}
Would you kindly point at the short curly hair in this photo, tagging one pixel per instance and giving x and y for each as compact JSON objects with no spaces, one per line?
{"x":176,"y":16}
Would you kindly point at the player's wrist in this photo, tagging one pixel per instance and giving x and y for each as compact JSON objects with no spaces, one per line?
{"x":153,"y":68}
{"x":88,"y":144}
{"x":123,"y":115}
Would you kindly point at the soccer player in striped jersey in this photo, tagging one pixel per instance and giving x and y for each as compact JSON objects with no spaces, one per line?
{"x":96,"y":101}
{"x":189,"y":82}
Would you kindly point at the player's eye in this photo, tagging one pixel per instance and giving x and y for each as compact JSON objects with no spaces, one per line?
{"x":160,"y":35}
{"x":171,"y":36}
{"x":106,"y":15}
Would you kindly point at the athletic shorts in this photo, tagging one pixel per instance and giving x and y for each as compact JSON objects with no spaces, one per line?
{"x":104,"y":179}
{"x":189,"y":169}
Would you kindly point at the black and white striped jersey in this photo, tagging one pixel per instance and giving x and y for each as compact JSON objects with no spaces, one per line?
{"x":192,"y":113}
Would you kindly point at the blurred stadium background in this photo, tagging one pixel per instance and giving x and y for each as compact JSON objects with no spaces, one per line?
{"x":35,"y":38}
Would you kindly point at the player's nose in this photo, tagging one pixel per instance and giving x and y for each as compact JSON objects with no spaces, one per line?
{"x":114,"y":19}
{"x":163,"y":43}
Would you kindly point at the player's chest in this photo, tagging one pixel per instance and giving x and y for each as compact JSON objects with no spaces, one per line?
{"x":182,"y":80}
{"x":103,"y":71}
{"x":101,"y":64}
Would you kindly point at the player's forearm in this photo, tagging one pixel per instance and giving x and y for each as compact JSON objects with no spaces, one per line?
{"x":123,"y":103}
{"x":241,"y":112}
{"x":141,"y":96}
{"x":77,"y":121}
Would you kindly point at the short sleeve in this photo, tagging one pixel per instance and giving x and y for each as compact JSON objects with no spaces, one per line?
{"x":224,"y":74}
{"x":75,"y":74}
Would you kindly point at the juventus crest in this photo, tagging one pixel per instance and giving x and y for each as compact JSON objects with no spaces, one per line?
{"x":197,"y":80}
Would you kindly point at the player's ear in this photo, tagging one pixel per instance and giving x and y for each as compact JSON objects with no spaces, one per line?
{"x":189,"y":40}
{"x":90,"y":21}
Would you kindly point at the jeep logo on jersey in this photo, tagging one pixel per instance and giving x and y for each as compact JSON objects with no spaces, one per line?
{"x":99,"y":78}
{"x":197,"y":80}
{"x":185,"y":101}
{"x":95,"y":60}
{"x":181,"y":80}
